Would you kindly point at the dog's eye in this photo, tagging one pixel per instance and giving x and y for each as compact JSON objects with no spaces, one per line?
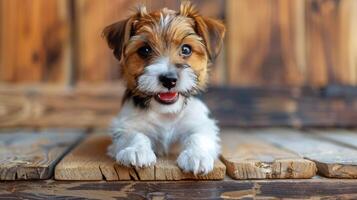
{"x":186,"y":50}
{"x":144,"y":51}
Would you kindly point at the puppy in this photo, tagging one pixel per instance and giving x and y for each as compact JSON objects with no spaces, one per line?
{"x":163,"y":57}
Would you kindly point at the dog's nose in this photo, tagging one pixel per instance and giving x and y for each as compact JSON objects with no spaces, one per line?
{"x":168,"y":80}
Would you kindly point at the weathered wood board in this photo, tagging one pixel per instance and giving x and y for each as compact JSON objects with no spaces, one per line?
{"x":342,"y":136}
{"x":30,"y":155}
{"x":319,"y":188}
{"x":269,"y":48}
{"x":329,"y":40}
{"x":248,"y":157}
{"x":89,"y":161}
{"x":332,"y":160}
{"x":167,"y":169}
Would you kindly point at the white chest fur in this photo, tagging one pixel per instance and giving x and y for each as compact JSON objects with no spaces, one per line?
{"x":156,"y":130}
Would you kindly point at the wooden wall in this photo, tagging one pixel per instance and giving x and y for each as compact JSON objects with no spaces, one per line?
{"x":269,"y":42}
{"x":34,"y":41}
{"x":59,"y":41}
{"x":273,"y":47}
{"x":278,"y":42}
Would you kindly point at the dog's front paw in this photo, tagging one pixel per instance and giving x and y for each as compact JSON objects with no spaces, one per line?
{"x":136,"y":157}
{"x":196,"y":162}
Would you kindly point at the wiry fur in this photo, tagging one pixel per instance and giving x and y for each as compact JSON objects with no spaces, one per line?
{"x":146,"y":128}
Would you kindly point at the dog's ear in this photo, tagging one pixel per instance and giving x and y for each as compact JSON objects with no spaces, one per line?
{"x":117,"y":35}
{"x":212,"y":31}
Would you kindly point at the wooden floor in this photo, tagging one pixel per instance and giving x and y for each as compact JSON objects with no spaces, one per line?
{"x":255,"y":163}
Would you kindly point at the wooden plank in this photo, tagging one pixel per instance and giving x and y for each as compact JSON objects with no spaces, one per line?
{"x":35,"y":41}
{"x":353,"y":42}
{"x":226,"y":189}
{"x":342,"y":136}
{"x":167,"y":169}
{"x":30,"y":155}
{"x":248,"y":157}
{"x":291,"y":27}
{"x":346,"y":71}
{"x":95,"y":60}
{"x":267,"y":49}
{"x":237,"y":12}
{"x":328,"y":41}
{"x":332,"y":160}
{"x":88,"y":163}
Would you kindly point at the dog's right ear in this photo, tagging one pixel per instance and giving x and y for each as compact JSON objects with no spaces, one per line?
{"x":117,"y":35}
{"x":212,"y":31}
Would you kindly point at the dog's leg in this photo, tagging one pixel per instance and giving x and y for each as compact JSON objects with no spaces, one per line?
{"x":200,"y":149}
{"x":132,"y":149}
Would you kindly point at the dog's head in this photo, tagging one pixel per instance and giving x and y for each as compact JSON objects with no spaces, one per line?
{"x":164,"y":54}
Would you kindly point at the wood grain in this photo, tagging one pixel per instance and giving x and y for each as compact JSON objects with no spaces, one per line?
{"x":167,"y":169}
{"x":96,"y":63}
{"x":59,"y":107}
{"x":284,"y":43}
{"x":281,"y":106}
{"x":267,"y":49}
{"x":319,"y":188}
{"x":328,"y":39}
{"x":34,"y":41}
{"x":89,"y":161}
{"x":353,"y":42}
{"x":332,"y":160}
{"x":30,"y":155}
{"x":341,"y":136}
{"x":248,"y":157}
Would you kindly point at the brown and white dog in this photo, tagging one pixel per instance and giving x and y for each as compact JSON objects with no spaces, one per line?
{"x":164,"y":57}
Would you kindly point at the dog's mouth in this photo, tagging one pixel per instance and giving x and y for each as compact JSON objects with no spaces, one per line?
{"x":167,"y":97}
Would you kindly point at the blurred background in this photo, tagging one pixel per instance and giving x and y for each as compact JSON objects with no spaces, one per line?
{"x":284,"y":63}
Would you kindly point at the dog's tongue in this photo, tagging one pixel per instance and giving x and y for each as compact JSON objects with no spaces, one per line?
{"x":167,"y":96}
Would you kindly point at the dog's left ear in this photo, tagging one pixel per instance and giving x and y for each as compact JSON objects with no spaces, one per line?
{"x":212,"y":31}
